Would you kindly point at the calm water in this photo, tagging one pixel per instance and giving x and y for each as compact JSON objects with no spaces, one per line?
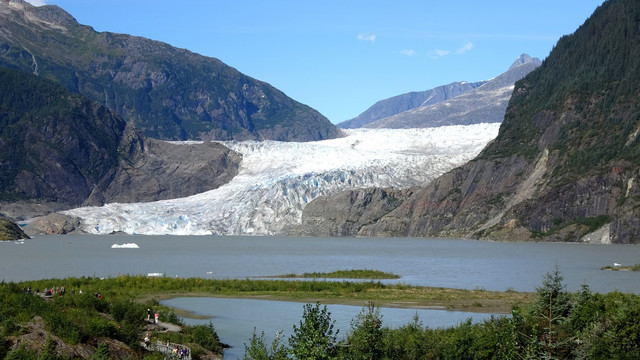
{"x":431,"y":262}
{"x":462,"y":264}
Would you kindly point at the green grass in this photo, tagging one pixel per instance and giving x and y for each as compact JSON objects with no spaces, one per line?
{"x":144,"y":289}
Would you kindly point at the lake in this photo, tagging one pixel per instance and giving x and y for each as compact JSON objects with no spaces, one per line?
{"x":464,"y":264}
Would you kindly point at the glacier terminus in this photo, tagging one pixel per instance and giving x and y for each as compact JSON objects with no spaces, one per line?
{"x":277,"y":179}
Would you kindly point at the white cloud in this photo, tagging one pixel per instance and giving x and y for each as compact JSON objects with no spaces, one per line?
{"x":466,"y":47}
{"x":408,"y":52}
{"x":436,"y":53}
{"x":367,"y":37}
{"x":37,"y":2}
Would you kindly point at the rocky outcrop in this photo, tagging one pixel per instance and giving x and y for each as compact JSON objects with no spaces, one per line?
{"x":10,"y":230}
{"x":54,"y":223}
{"x":486,"y":103}
{"x":151,"y":170}
{"x":347,"y":212}
{"x":169,"y":93}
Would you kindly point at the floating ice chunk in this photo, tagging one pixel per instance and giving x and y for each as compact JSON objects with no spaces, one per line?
{"x":125,"y":246}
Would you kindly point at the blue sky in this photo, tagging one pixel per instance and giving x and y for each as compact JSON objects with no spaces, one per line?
{"x":341,"y":56}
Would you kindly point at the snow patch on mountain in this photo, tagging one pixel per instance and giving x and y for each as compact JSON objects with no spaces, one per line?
{"x":277,"y":179}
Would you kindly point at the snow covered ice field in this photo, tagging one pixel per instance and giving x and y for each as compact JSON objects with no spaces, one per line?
{"x":277,"y":179}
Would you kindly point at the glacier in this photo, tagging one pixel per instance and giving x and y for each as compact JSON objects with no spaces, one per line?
{"x":277,"y":179}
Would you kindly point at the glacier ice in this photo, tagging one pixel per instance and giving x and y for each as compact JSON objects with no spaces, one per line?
{"x":277,"y":179}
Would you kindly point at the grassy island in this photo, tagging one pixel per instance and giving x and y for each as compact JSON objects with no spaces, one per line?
{"x":635,"y":267}
{"x":343,"y":274}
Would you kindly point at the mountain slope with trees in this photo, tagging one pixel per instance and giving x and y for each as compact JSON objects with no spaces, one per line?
{"x":169,"y":93}
{"x":60,"y":150}
{"x":564,"y":166}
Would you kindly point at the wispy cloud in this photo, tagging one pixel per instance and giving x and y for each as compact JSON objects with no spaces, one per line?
{"x":436,"y":53}
{"x":408,"y":52}
{"x":466,"y":47}
{"x":367,"y":37}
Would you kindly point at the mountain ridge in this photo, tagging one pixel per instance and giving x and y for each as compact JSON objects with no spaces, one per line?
{"x":169,"y":93}
{"x":400,"y":103}
{"x":484,"y":103}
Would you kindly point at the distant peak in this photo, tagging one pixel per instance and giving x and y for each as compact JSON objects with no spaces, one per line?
{"x":525,"y":59}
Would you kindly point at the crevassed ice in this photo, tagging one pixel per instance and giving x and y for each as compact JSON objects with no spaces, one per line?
{"x":277,"y":179}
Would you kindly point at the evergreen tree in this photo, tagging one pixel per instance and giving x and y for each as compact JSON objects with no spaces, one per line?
{"x":314,"y":339}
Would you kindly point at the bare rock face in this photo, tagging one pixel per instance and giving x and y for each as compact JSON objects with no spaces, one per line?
{"x":152,"y":170}
{"x":54,"y":223}
{"x":345,"y":213}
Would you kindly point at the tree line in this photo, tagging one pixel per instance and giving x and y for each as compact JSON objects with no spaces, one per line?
{"x":556,"y":325}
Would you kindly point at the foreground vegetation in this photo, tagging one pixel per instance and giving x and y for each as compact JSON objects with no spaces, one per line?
{"x":556,"y":325}
{"x":551,"y":323}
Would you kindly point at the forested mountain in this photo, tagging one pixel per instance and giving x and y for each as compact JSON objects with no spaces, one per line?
{"x":169,"y":93}
{"x":565,"y":164}
{"x":60,"y":150}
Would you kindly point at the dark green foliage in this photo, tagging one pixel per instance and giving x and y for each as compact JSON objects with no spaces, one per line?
{"x":314,"y":337}
{"x":102,"y":352}
{"x":49,"y":351}
{"x":206,"y":336}
{"x":365,"y":340}
{"x":84,"y":318}
{"x":20,"y":353}
{"x":591,"y":79}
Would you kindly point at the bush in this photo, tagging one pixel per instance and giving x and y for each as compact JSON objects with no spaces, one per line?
{"x":206,"y":336}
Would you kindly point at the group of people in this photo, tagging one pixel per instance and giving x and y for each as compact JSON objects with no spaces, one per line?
{"x":177,"y":351}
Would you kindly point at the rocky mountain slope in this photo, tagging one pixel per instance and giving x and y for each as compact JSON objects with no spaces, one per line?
{"x":168,"y":93}
{"x":485,"y":103}
{"x":401,"y":103}
{"x":60,"y":150}
{"x":565,"y":164}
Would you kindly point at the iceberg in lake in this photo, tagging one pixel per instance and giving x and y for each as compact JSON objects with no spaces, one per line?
{"x":125,"y":246}
{"x":277,"y":179}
